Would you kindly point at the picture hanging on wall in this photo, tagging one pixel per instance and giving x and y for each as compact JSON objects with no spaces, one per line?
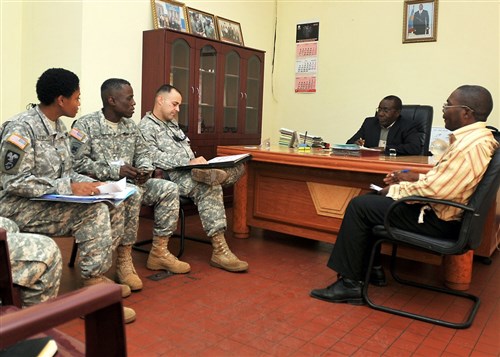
{"x":420,"y":21}
{"x":202,"y":23}
{"x":230,"y":31}
{"x":170,"y":15}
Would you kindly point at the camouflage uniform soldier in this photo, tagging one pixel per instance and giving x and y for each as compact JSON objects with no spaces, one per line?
{"x":116,"y":149}
{"x":35,"y":159}
{"x":171,"y":148}
{"x":36,"y":264}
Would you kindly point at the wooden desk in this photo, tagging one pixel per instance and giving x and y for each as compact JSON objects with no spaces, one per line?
{"x":275,"y":193}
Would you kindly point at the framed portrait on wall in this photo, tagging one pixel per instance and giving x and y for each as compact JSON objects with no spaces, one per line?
{"x":229,"y":31}
{"x":420,"y":21}
{"x":170,"y":15}
{"x":202,"y":23}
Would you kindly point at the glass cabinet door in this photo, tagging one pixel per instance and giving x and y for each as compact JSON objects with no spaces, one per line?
{"x":206,"y":90}
{"x":232,"y":92}
{"x":252,"y":94}
{"x":180,"y":78}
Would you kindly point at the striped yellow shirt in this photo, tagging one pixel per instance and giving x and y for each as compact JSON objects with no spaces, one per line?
{"x":457,"y":173}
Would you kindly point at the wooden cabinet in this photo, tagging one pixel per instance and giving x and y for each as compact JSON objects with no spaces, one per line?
{"x":221,"y":86}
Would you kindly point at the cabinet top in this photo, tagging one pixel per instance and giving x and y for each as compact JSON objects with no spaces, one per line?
{"x":182,"y":34}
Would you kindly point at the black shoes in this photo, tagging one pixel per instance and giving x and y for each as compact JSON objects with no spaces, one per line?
{"x":343,"y":290}
{"x":377,"y":276}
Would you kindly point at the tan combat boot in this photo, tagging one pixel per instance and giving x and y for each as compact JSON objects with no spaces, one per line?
{"x":161,"y":259}
{"x":101,"y":279}
{"x":223,"y":258}
{"x":211,"y":177}
{"x":128,"y":315}
{"x":125,"y":270}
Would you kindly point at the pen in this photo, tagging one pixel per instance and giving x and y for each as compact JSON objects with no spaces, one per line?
{"x":305,"y":137}
{"x":401,"y":172}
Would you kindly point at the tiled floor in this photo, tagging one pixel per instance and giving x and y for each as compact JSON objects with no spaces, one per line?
{"x":268,"y":312}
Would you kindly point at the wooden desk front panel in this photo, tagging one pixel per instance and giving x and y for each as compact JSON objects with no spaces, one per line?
{"x":279,"y":199}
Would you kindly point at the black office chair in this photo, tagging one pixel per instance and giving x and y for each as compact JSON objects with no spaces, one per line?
{"x":470,"y":237}
{"x":422,"y":114}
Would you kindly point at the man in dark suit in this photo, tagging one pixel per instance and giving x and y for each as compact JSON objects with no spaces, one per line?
{"x":389,"y":130}
{"x":421,"y":21}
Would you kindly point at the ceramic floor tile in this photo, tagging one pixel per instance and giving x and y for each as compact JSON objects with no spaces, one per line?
{"x":268,"y":312}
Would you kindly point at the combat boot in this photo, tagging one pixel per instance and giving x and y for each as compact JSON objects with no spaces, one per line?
{"x":161,"y":259}
{"x":128,"y":315}
{"x":101,"y":279}
{"x":223,"y":258}
{"x":210,"y":177}
{"x":125,"y":270}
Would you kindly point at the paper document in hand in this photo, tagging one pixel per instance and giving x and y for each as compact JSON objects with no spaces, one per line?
{"x":115,"y":198}
{"x":228,"y":158}
{"x":114,"y":186}
{"x":218,"y":162}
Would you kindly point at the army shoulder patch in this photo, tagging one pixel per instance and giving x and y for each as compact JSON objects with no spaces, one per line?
{"x":18,"y":140}
{"x":78,"y":135}
{"x":10,"y":159}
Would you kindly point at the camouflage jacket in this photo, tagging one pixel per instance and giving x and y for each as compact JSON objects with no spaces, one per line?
{"x":170,"y":145}
{"x":35,"y":158}
{"x":106,"y":150}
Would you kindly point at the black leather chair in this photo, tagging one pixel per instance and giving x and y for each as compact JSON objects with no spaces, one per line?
{"x":470,"y":236}
{"x":422,"y":114}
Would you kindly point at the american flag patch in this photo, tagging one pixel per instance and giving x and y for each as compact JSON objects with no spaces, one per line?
{"x":18,"y":140}
{"x":77,"y":134}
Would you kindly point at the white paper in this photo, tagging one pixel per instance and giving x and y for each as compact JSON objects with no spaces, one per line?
{"x":227,"y":158}
{"x":111,"y":187}
{"x":375,"y":187}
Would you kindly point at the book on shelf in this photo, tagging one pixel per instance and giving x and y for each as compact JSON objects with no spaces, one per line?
{"x":218,"y":162}
{"x":112,"y":192}
{"x":35,"y":347}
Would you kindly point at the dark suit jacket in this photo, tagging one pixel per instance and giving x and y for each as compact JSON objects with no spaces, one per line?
{"x":403,"y":136}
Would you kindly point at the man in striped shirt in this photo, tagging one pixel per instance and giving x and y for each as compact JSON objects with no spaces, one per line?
{"x":454,"y":178}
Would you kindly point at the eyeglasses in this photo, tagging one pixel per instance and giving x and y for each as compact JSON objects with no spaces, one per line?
{"x":384,"y":110}
{"x":446,"y":106}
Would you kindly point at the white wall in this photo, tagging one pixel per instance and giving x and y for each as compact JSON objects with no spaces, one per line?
{"x":362,"y":59}
{"x":361,"y":55}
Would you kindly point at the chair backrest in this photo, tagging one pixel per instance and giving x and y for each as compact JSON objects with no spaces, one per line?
{"x":422,"y":115}
{"x":472,"y":227}
{"x":8,"y":294}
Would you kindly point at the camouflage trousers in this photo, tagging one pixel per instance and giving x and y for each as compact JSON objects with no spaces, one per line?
{"x":208,"y":199}
{"x":96,"y":227}
{"x":36,"y":264}
{"x":164,"y":197}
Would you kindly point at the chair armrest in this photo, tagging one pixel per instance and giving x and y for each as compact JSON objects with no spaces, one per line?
{"x":421,"y":200}
{"x":391,"y":229}
{"x":100,"y":304}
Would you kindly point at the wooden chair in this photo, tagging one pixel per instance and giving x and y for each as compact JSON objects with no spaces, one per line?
{"x":101,"y":306}
{"x":470,"y":236}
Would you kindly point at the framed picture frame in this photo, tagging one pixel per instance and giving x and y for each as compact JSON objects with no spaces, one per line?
{"x":229,"y":31}
{"x":202,"y":23}
{"x":420,"y":21}
{"x":170,"y":15}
